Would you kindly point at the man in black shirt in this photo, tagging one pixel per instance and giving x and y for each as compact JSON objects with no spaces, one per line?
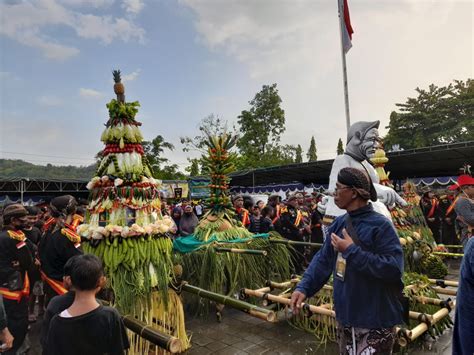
{"x":59,"y":244}
{"x":86,"y":327}
{"x":15,"y":260}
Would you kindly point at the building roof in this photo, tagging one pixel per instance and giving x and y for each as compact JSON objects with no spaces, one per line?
{"x":440,"y":160}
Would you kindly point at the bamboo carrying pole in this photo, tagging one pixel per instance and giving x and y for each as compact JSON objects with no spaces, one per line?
{"x":423,"y":327}
{"x":445,"y":291}
{"x":440,"y":253}
{"x":170,"y":343}
{"x":282,"y":285}
{"x":294,"y":242}
{"x":241,"y":251}
{"x":251,"y":309}
{"x":444,"y":283}
{"x":286,"y":301}
{"x":435,"y":301}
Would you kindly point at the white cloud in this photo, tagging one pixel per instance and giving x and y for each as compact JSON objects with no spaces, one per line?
{"x":132,"y":76}
{"x":90,"y":93}
{"x":296,"y":44}
{"x":49,"y":100}
{"x":27,"y":21}
{"x":133,"y":6}
{"x":84,"y":3}
{"x":107,"y":28}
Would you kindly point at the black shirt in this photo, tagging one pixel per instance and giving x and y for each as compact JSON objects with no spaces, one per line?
{"x":55,"y":306}
{"x":33,"y":234}
{"x":98,"y":332}
{"x":12,"y":251}
{"x":55,"y":250}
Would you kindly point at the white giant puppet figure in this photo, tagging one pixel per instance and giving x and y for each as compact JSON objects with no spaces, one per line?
{"x":362,"y":141}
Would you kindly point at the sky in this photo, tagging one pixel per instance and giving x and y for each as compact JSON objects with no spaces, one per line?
{"x":186,"y":59}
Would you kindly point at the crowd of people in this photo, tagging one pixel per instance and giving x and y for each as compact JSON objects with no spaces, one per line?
{"x":448,"y":213}
{"x":43,"y":271}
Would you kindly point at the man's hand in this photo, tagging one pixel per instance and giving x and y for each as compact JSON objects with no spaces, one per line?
{"x":7,"y":339}
{"x":297,"y":299}
{"x":341,"y":244}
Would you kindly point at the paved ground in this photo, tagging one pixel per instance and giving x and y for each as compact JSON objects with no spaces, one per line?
{"x":239,"y":334}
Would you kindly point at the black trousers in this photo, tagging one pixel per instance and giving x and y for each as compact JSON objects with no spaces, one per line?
{"x":17,"y":320}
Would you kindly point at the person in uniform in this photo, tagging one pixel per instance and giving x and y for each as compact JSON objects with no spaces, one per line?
{"x":241,"y":214}
{"x":274,"y":201}
{"x":448,"y":216}
{"x":15,"y":262}
{"x":430,"y":206}
{"x":292,"y":227}
{"x":59,"y":244}
{"x":465,"y":207}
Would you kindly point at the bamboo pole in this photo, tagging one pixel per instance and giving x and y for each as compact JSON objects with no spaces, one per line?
{"x":281,"y":285}
{"x":451,"y":246}
{"x":294,"y":242}
{"x":165,"y":341}
{"x":440,"y":253}
{"x":423,"y":327}
{"x":251,"y":309}
{"x":286,"y":301}
{"x":445,"y":291}
{"x":241,"y":251}
{"x":444,"y":283}
{"x":422,"y":317}
{"x":435,"y":301}
{"x":267,"y":302}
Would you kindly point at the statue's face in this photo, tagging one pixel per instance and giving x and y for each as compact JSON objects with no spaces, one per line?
{"x":370,"y":143}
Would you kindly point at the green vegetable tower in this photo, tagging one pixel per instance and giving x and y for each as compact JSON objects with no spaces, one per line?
{"x":224,"y":256}
{"x":125,"y":228}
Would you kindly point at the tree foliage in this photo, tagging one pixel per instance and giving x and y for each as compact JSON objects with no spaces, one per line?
{"x":154,"y":152}
{"x":18,"y":168}
{"x":211,"y":125}
{"x":193,"y":169}
{"x":340,"y":147}
{"x":437,"y":115}
{"x":298,"y":154}
{"x":312,"y":154}
{"x":262,"y":125}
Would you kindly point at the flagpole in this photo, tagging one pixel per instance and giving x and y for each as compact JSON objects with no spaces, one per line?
{"x":344,"y":69}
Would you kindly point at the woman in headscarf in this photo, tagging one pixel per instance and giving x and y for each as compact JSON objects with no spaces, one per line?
{"x":188,"y":221}
{"x":176,"y":214}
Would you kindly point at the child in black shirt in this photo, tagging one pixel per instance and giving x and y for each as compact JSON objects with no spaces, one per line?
{"x":86,"y":327}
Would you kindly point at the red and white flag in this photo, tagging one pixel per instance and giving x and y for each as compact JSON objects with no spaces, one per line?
{"x":347,"y":30}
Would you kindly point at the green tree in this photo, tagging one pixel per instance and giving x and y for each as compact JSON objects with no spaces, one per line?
{"x":340,"y":147}
{"x":193,"y":169}
{"x":312,"y":152}
{"x":298,"y":154}
{"x":211,"y":125}
{"x":170,"y":172}
{"x":154,"y":151}
{"x":437,"y":115}
{"x":161,"y":169}
{"x":261,"y":127}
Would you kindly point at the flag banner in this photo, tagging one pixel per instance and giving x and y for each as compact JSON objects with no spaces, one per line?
{"x":347,"y":30}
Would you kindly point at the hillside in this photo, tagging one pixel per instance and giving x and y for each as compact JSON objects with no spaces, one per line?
{"x":18,"y":168}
